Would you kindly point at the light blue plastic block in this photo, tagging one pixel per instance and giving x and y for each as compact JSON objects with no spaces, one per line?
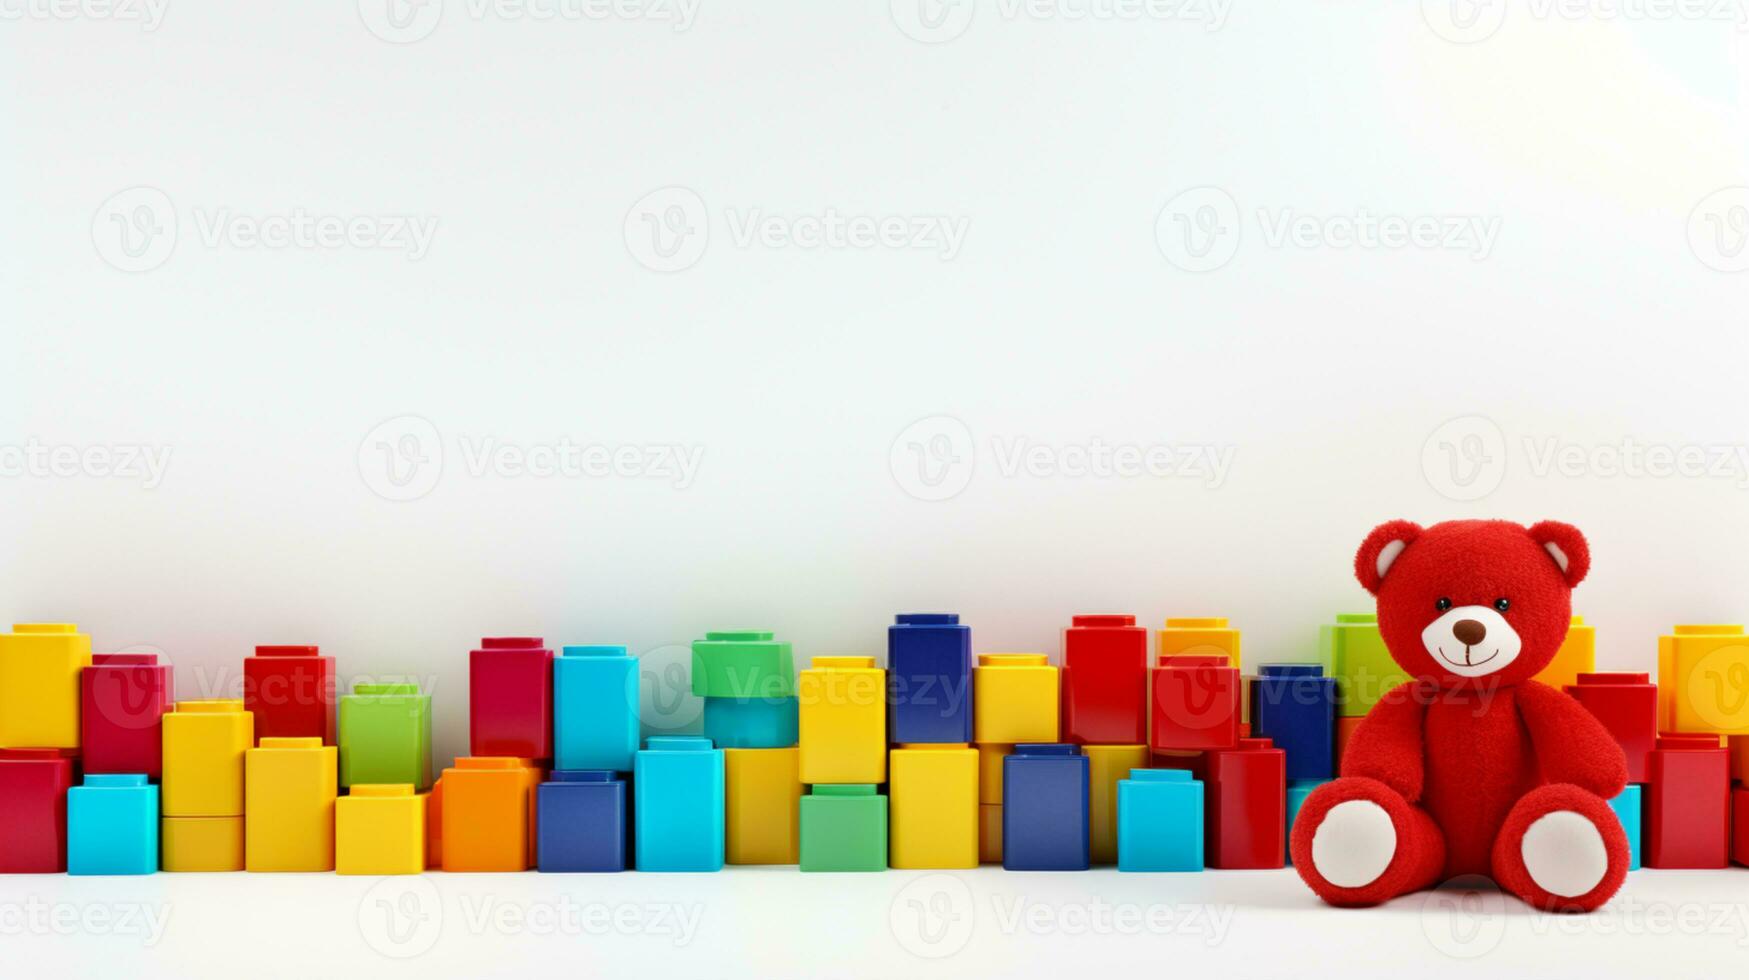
{"x":1159,"y":821}
{"x":1297,"y":791}
{"x":1628,"y":807}
{"x":112,"y":826}
{"x":595,"y":708}
{"x":677,"y":787}
{"x":752,"y":723}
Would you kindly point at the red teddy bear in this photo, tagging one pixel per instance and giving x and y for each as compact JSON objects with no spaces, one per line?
{"x":1472,"y":767}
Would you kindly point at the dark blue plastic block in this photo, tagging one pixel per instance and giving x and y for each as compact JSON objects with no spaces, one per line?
{"x":581,"y":821}
{"x":1294,"y":706}
{"x":1044,"y":809}
{"x":929,"y":679}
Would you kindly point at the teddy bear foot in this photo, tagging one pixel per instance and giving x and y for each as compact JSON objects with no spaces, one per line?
{"x":1357,"y":842}
{"x":1561,"y":850}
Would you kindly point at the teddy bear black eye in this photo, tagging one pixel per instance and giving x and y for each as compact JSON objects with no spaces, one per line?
{"x":1443,"y":604}
{"x":1502,"y":605}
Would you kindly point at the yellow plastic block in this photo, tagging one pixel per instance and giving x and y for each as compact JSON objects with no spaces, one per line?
{"x":1106,"y":765}
{"x":933,"y":806}
{"x":204,"y":742}
{"x":488,"y":813}
{"x":763,"y":796}
{"x":1199,"y":636}
{"x":1577,"y":655}
{"x":379,"y":829}
{"x":1703,"y":680}
{"x":990,"y":833}
{"x":290,"y":785}
{"x":990,"y":758}
{"x":39,"y":685}
{"x":843,"y":705}
{"x":201,"y":843}
{"x":1014,"y":698}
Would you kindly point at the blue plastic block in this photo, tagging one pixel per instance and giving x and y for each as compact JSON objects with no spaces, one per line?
{"x":1294,"y":706}
{"x":595,"y":708}
{"x":677,"y":781}
{"x":929,"y":679}
{"x":1297,"y":791}
{"x":1159,"y":821}
{"x":112,"y":826}
{"x":581,"y":820}
{"x":1044,"y":809}
{"x":752,"y":723}
{"x":1628,"y":805}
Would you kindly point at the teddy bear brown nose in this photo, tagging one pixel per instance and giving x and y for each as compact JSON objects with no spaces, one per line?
{"x":1469,"y":632}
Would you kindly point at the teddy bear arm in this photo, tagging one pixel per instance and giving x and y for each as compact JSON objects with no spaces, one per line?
{"x":1389,"y":746}
{"x":1571,"y":745}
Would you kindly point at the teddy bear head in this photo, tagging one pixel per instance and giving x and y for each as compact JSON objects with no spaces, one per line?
{"x":1463,"y":600}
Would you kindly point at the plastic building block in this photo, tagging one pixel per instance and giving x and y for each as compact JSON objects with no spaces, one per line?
{"x":929,"y":680}
{"x":1045,"y":826}
{"x":122,"y":701}
{"x":1703,"y":680}
{"x":1627,"y":705}
{"x":1200,"y":636}
{"x":1105,"y":681}
{"x":751,"y":723}
{"x":1015,"y":698}
{"x":678,"y":784}
{"x":385,"y":736}
{"x":990,"y":833}
{"x":33,"y":810}
{"x":1688,"y":804}
{"x":39,"y":685}
{"x":583,"y":821}
{"x":204,"y":742}
{"x":379,"y":829}
{"x":843,"y":732}
{"x":112,"y":825}
{"x":745,"y":664}
{"x":1628,"y":805}
{"x":595,"y":708}
{"x":763,"y":791}
{"x":1356,"y":656}
{"x":1297,"y":791}
{"x":1345,"y":726}
{"x":1739,"y":826}
{"x":844,"y":828}
{"x":1107,"y":766}
{"x":1195,"y":763}
{"x":510,"y":698}
{"x":1294,"y":706}
{"x":990,"y":761}
{"x":1577,"y":655}
{"x":1195,"y":703}
{"x":1160,"y":821}
{"x":933,"y":794}
{"x":201,"y":843}
{"x":488,"y":811}
{"x":1247,"y":806}
{"x":290,"y":785}
{"x":290,"y":690}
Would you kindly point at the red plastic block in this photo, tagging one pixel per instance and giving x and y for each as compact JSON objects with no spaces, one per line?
{"x":1105,"y":681}
{"x":292,"y":693}
{"x":1740,"y":825}
{"x":33,"y":810}
{"x":1627,"y":704}
{"x":510,"y":698}
{"x":1195,"y":703}
{"x":122,"y":701}
{"x":1246,"y":806}
{"x":1688,"y":803}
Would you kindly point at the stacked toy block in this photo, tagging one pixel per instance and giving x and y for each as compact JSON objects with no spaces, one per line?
{"x":584,"y":807}
{"x":747,"y":680}
{"x":1294,"y":707}
{"x":1627,"y":706}
{"x":1045,"y":824}
{"x":384,"y":756}
{"x":1105,"y":711}
{"x":1015,"y":699}
{"x":1195,"y":694}
{"x":679,"y":814}
{"x":1160,"y":821}
{"x":291,"y":692}
{"x":123,"y":698}
{"x":1703,"y":703}
{"x":112,"y":825}
{"x":40,"y":665}
{"x":842,"y":757}
{"x":203,"y":799}
{"x":932,"y":770}
{"x":485,"y":806}
{"x":290,"y":786}
{"x":1354,"y":653}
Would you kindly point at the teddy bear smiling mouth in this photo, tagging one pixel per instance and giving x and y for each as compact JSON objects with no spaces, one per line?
{"x":1467,"y":661}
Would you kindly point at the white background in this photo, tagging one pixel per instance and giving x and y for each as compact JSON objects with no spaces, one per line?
{"x":830,"y":390}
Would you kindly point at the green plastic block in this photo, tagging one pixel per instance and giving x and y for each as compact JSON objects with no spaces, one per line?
{"x":742,"y":664}
{"x":1354,"y":653}
{"x":844,"y":828}
{"x":385,"y":735}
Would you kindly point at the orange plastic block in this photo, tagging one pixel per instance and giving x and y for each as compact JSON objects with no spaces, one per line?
{"x":1577,"y":655}
{"x":1199,"y":636}
{"x":488,"y":814}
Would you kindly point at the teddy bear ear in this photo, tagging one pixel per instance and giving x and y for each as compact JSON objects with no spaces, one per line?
{"x":1566,"y":546}
{"x":1380,"y":550}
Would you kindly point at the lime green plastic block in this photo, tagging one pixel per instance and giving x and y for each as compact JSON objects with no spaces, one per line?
{"x":385,"y":735}
{"x":1354,"y":653}
{"x":844,"y":828}
{"x":742,"y":664}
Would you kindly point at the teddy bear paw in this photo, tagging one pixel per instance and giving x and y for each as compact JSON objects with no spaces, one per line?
{"x":1564,"y":853}
{"x":1354,"y":844}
